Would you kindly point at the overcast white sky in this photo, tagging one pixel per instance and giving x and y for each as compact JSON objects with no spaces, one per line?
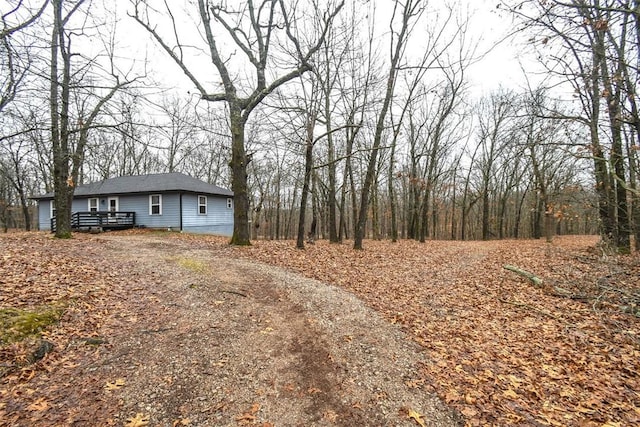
{"x":488,"y":25}
{"x":501,"y":64}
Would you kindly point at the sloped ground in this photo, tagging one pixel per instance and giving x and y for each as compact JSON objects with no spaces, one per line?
{"x":178,"y":312}
{"x":159,"y":332}
{"x":500,"y":350}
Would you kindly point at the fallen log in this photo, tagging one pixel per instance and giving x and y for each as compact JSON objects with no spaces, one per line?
{"x":532,"y":277}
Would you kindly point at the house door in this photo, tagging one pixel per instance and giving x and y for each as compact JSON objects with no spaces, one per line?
{"x":113,"y":205}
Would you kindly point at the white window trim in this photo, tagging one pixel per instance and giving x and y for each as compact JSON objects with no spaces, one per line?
{"x":206,"y":205}
{"x":51,"y":208}
{"x":89,"y":203}
{"x":158,"y":204}
{"x":229,"y":203}
{"x":116,"y":199}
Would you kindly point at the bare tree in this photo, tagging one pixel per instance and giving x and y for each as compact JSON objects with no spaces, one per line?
{"x":69,"y":137}
{"x":15,"y":169}
{"x":13,"y":64}
{"x":406,"y":14}
{"x":252,"y":28}
{"x":592,"y":45}
{"x":496,"y":114}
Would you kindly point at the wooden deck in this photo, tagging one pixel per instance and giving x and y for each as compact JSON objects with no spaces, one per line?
{"x":116,"y":220}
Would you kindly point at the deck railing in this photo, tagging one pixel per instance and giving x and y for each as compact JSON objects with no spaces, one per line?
{"x":104,"y":220}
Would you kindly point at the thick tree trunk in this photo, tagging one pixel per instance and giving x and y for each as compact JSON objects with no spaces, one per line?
{"x":239,"y":162}
{"x":604,"y":191}
{"x":612,"y":94}
{"x":63,"y":192}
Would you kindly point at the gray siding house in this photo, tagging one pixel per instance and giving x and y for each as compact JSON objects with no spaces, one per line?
{"x":167,"y":200}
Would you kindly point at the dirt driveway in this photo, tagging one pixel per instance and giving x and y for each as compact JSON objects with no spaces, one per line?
{"x":216,"y":341}
{"x":169,"y":329}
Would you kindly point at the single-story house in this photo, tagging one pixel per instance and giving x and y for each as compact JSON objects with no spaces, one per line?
{"x":167,"y":200}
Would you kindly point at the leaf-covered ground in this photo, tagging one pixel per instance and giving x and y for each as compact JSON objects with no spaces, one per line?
{"x":501,"y":351}
{"x":96,"y":296}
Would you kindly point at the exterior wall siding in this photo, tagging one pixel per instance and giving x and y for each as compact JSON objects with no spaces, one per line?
{"x":44,"y":211}
{"x":218,"y":220}
{"x":44,"y":215}
{"x":139,"y":204}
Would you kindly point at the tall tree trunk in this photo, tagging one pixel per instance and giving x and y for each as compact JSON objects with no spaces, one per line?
{"x":391,"y":190}
{"x":63,"y":187}
{"x":238,"y":165}
{"x":548,"y":223}
{"x":348,"y":184}
{"x":424,"y":215}
{"x":308,"y":168}
{"x":606,"y":201}
{"x":331,"y":199}
{"x":612,"y":94}
{"x":518,"y":220}
{"x":278,"y":211}
{"x":485,"y":211}
{"x":454,"y":229}
{"x":408,"y":10}
{"x":635,"y":194}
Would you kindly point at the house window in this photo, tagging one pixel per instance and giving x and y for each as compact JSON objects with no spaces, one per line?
{"x":155,"y":204}
{"x":229,"y":203}
{"x":93,"y":205}
{"x":52,"y":207}
{"x":202,"y":205}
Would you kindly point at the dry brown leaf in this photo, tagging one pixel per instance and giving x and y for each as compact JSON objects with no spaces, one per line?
{"x":449,"y":295}
{"x":250,"y":415}
{"x":140,"y":420}
{"x":510,"y":394}
{"x":417,"y":417}
{"x":39,"y":405}
{"x":115,"y":385}
{"x":330,"y":416}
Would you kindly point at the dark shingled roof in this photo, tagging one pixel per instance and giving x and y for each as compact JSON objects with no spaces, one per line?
{"x":154,"y":183}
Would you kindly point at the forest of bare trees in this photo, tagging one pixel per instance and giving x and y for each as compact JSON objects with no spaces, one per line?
{"x":339,"y":120}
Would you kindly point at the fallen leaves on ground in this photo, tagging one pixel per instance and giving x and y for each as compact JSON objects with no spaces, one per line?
{"x":115,"y":385}
{"x":249,"y":417}
{"x":501,"y":351}
{"x":140,"y":420}
{"x":91,"y":298}
{"x":417,"y":417}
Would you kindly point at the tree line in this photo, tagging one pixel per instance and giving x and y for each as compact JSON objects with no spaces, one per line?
{"x":337,"y":120}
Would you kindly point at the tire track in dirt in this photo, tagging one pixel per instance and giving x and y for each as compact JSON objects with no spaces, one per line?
{"x":241,"y":343}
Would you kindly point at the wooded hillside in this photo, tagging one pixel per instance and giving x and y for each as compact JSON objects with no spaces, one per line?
{"x":341,"y":121}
